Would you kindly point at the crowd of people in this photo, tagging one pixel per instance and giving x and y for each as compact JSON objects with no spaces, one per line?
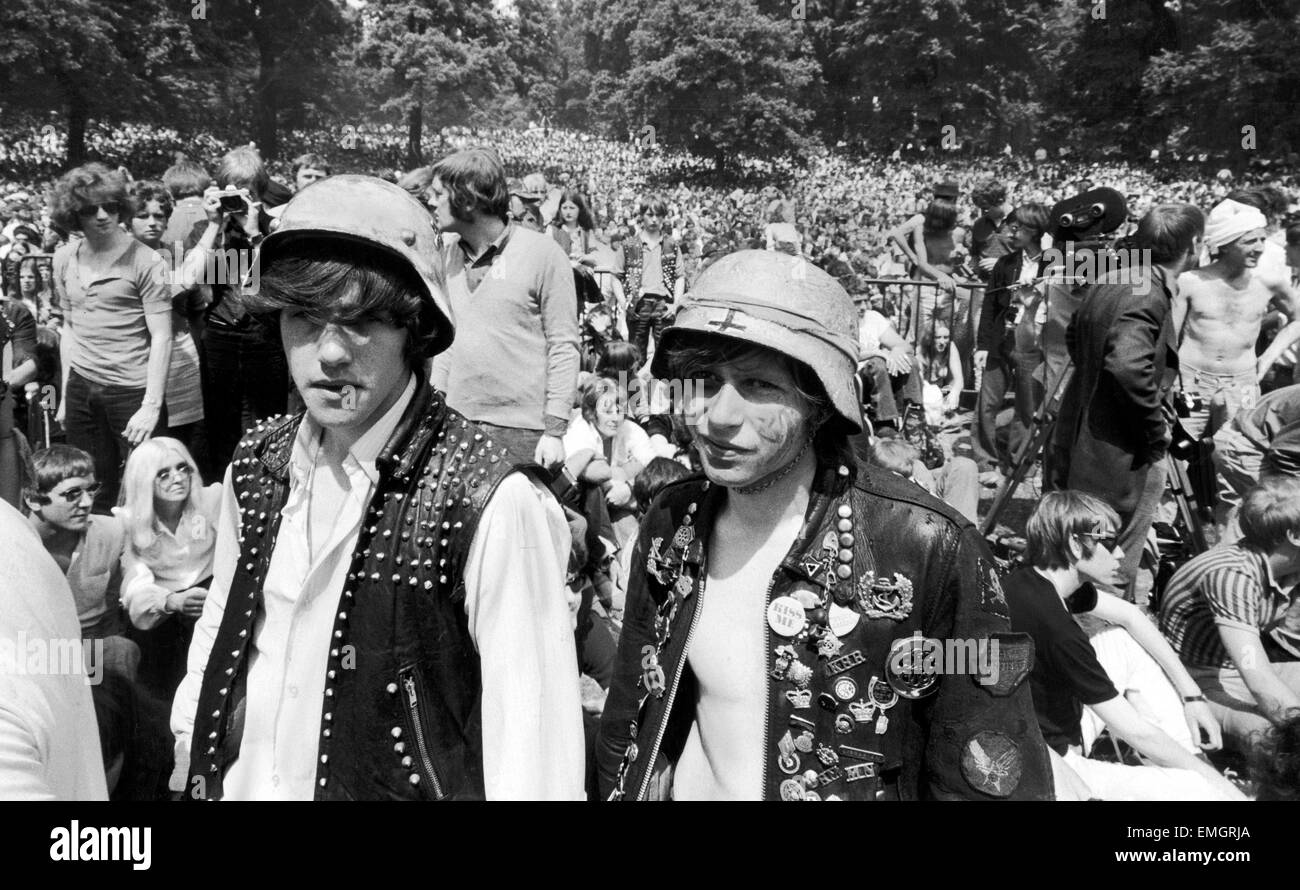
{"x":348,"y":478}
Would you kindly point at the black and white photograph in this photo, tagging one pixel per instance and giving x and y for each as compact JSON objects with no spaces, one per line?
{"x":600,"y":401}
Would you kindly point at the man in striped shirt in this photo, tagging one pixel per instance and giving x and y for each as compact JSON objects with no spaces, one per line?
{"x":1233,"y":616}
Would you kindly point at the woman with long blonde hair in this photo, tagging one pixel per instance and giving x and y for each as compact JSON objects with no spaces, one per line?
{"x":167,"y":563}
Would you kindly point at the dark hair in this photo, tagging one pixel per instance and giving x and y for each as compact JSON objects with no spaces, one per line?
{"x":242,"y":167}
{"x":988,"y":193}
{"x":585,"y":218}
{"x":1035,"y":216}
{"x":1275,"y":760}
{"x":48,"y":362}
{"x":692,"y":352}
{"x":1268,"y":200}
{"x":1169,"y":231}
{"x":53,"y":465}
{"x":186,"y":179}
{"x":311,"y":160}
{"x":940,"y":216}
{"x":474,"y":180}
{"x":618,"y":356}
{"x":654,"y":476}
{"x":319,"y":274}
{"x":532,"y":210}
{"x":927,"y":338}
{"x":35,"y":263}
{"x":85,"y":185}
{"x":653,"y":206}
{"x":146,"y":190}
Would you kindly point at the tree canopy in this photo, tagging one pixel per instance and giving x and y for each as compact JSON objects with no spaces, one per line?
{"x":719,"y":77}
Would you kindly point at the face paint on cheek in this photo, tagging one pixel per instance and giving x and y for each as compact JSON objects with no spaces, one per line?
{"x":776,"y":426}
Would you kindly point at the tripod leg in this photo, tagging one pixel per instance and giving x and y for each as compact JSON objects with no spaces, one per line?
{"x":1040,"y":433}
{"x":1181,"y":487}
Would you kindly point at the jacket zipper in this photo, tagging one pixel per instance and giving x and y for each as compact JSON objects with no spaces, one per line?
{"x":672,"y":692}
{"x":767,"y":683}
{"x":417,"y":730}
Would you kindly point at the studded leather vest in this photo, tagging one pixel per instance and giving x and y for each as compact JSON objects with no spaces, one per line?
{"x":634,"y":262}
{"x":856,"y":707}
{"x":401,"y":714}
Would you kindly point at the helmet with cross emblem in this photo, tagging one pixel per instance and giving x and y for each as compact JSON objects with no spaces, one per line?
{"x":786,"y":304}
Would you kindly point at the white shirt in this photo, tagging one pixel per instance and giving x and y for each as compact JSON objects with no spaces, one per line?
{"x":49,"y":740}
{"x":631,"y":442}
{"x":175,"y":561}
{"x":518,"y":618}
{"x":871,"y":328}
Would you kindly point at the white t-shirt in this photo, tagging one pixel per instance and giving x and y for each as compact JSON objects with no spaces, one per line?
{"x":870,"y":329}
{"x":631,"y":443}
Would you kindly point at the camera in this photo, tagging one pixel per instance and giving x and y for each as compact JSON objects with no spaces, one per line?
{"x":234,"y":200}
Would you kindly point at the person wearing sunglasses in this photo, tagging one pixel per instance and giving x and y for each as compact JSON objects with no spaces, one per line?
{"x":1099,"y":662}
{"x":171,"y":521}
{"x":117,"y":336}
{"x":87,"y":546}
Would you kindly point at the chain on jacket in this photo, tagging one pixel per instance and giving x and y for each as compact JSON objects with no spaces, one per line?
{"x":878,"y":570}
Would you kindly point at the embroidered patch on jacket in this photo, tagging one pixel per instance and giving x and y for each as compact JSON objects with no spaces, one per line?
{"x":1003,"y":663}
{"x":991,"y":597}
{"x":991,"y":762}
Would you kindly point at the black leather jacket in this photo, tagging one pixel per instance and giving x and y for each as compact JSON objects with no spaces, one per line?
{"x":968,"y":736}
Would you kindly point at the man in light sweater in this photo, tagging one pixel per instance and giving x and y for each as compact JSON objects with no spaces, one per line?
{"x":513,"y":367}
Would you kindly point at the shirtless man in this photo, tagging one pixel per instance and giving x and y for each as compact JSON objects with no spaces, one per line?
{"x":1217,"y":313}
{"x":907,"y":232}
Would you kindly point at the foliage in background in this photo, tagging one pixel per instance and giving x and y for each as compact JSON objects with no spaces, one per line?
{"x":720,"y":78}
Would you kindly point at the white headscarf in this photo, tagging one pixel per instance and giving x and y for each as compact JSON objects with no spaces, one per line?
{"x":1229,"y":220}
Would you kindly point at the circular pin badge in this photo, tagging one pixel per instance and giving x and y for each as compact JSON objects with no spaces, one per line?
{"x":845,"y":689}
{"x":844,"y":724}
{"x":807,"y":598}
{"x":907,"y":669}
{"x":791,"y":790}
{"x":842,"y":620}
{"x":788,"y":763}
{"x":804,"y":742}
{"x":811,"y":795}
{"x":786,"y":616}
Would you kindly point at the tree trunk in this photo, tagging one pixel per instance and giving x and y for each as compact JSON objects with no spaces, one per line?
{"x":415,"y":136}
{"x":78,"y":113}
{"x":268,"y":99}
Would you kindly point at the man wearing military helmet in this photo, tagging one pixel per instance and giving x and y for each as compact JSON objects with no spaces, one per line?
{"x":784,"y":612}
{"x":387,"y":617}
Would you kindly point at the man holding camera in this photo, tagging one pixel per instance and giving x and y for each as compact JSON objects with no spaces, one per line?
{"x":1115,"y":417}
{"x":240,"y":365}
